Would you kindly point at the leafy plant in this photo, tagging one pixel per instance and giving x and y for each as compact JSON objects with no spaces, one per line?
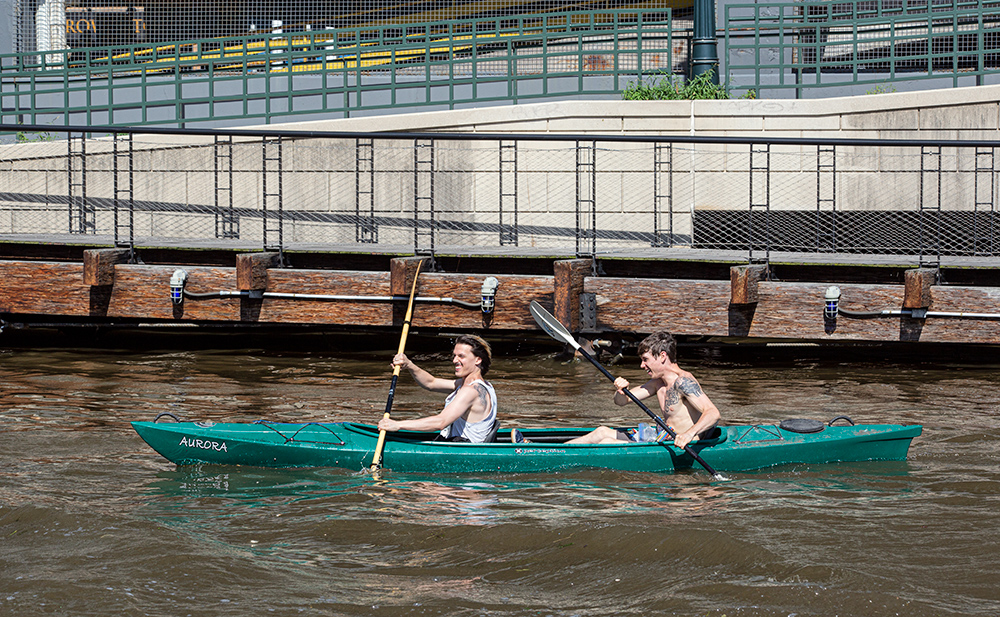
{"x":667,"y":87}
{"x":882,"y":89}
{"x":23,"y":137}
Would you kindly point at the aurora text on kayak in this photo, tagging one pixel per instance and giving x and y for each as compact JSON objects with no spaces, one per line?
{"x":204,"y":444}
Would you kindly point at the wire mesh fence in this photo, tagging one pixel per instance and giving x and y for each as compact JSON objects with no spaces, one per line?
{"x":79,"y":24}
{"x":467,"y":194}
{"x":803,"y":47}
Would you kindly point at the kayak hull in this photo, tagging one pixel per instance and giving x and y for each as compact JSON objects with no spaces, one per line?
{"x":350,"y":445}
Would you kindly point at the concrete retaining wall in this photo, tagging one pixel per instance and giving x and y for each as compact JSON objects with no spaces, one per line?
{"x":960,"y":113}
{"x":319,"y":176}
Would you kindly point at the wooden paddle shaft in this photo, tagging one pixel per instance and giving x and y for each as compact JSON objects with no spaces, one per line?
{"x":377,"y":458}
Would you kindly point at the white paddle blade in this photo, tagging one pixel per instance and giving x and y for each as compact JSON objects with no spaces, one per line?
{"x":551,"y":325}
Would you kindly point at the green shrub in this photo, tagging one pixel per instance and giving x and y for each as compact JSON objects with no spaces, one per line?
{"x":23,"y":137}
{"x":667,"y":87}
{"x":882,"y":89}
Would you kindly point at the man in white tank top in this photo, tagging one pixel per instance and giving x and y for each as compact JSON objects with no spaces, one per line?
{"x":471,"y":407}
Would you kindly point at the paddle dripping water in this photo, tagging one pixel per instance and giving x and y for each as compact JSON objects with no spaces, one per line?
{"x":94,"y":523}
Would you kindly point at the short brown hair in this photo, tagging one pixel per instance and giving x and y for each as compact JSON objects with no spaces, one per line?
{"x":660,"y":341}
{"x":480,"y":349}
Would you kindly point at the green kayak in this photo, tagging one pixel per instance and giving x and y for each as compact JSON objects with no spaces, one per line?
{"x":351,"y":445}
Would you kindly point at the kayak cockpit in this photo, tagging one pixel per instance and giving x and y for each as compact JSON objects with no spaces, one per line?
{"x":541,"y":436}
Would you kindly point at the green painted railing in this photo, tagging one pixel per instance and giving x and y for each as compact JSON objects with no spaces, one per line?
{"x":804,"y":46}
{"x":338,"y":73}
{"x":778,"y":49}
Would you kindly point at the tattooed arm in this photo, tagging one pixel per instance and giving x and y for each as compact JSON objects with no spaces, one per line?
{"x":687,"y":387}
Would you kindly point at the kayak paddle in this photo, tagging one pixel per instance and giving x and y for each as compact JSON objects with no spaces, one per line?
{"x":377,"y":458}
{"x":559,"y":332}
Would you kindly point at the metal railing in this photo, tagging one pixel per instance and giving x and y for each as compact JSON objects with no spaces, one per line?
{"x":805,"y":47}
{"x":336,"y":73}
{"x":917,"y":202}
{"x":777,"y":49}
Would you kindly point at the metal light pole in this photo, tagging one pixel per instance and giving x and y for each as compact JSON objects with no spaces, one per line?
{"x":704,"y":49}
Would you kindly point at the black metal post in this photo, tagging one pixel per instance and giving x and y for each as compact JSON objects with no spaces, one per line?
{"x":704,"y":48}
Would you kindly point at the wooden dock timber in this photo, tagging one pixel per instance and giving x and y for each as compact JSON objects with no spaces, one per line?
{"x":613,"y":296}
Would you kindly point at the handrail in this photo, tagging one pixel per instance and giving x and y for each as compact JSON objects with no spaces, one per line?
{"x":543,"y":137}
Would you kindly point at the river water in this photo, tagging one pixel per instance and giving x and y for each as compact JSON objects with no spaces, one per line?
{"x":92,"y":522}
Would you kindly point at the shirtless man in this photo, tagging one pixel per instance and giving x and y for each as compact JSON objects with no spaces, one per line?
{"x":471,"y":407}
{"x":686,"y":409}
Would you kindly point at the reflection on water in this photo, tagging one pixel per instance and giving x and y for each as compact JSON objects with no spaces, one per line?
{"x":434,"y":500}
{"x":92,"y":522}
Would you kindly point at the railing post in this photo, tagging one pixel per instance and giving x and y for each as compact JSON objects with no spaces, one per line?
{"x":129,"y":195}
{"x":423,"y":198}
{"x":929,"y":216}
{"x":663,"y":198}
{"x":508,"y":193}
{"x":81,"y":214}
{"x":271,"y":153}
{"x":985,"y":206}
{"x":760,"y":201}
{"x":586,"y":198}
{"x":227,"y":223}
{"x":365,"y":224}
{"x":826,"y":200}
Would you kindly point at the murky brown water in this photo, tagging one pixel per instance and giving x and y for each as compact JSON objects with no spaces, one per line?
{"x":92,"y":522}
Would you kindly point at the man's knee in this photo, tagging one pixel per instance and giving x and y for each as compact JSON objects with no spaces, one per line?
{"x":606,"y":432}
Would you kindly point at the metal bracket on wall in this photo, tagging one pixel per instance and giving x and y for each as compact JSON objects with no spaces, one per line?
{"x":596,"y":269}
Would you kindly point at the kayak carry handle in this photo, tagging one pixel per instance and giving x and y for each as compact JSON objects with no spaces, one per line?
{"x":165,"y":413}
{"x":830,"y":423}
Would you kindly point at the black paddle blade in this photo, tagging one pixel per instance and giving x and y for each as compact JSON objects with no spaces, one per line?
{"x":551,"y":325}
